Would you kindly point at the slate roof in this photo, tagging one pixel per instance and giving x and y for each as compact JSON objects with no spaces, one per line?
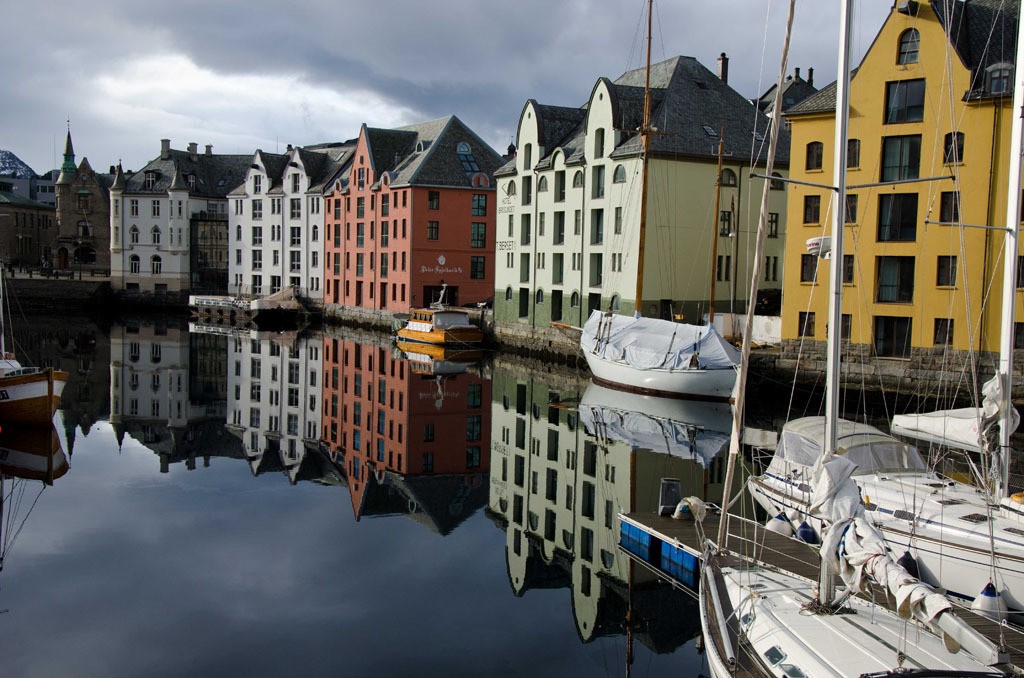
{"x":437,"y":163}
{"x":984,"y":32}
{"x":686,"y":97}
{"x":794,"y":90}
{"x":216,"y":175}
{"x":16,"y":200}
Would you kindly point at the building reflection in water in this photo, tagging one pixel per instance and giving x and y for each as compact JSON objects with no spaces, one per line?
{"x":567,"y":458}
{"x":274,"y":392}
{"x":410,"y":435}
{"x":167,"y":390}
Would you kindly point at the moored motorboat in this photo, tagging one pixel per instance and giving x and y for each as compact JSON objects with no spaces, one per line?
{"x":441,"y":326}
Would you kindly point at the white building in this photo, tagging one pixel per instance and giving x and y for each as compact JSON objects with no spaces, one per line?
{"x":569,"y":203}
{"x":276,"y":220}
{"x":156,"y":215}
{"x":274,"y":400}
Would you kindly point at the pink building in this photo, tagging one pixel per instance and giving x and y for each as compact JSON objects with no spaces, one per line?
{"x":417,"y":212}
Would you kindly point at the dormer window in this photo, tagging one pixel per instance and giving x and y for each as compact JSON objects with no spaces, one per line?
{"x":999,"y":78}
{"x":150,"y":180}
{"x":257,"y":184}
{"x":191,"y":180}
{"x":910,"y":47}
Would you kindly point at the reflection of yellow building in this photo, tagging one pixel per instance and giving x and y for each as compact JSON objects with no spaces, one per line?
{"x":558,"y":490}
{"x":921,"y":105}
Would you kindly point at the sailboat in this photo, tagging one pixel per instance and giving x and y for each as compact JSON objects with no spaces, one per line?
{"x":765,"y":621}
{"x":651,"y":355}
{"x":28,"y":395}
{"x":952,"y":533}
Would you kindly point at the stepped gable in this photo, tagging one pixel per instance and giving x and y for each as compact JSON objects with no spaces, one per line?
{"x":693,"y":98}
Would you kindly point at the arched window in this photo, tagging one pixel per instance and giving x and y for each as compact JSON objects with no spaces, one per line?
{"x":155,"y":265}
{"x":574,"y":301}
{"x":615,"y":303}
{"x":508,"y":294}
{"x":577,"y":179}
{"x":728,"y":177}
{"x":542,"y":185}
{"x":316,"y":233}
{"x":156,"y":235}
{"x":619,"y":175}
{"x":238,"y":233}
{"x":133,"y":264}
{"x":953,"y":148}
{"x":815,"y":149}
{"x":910,"y":46}
{"x":777,"y":184}
{"x":599,"y":142}
{"x":527,"y":156}
{"x":539,"y":297}
{"x":133,"y":235}
{"x":510,"y":188}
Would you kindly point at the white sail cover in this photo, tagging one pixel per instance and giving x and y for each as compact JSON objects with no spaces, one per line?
{"x":856,"y":550}
{"x":655,"y":344}
{"x":965,"y":428}
{"x":643,"y":431}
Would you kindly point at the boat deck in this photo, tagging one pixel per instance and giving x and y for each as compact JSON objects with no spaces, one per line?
{"x":785,"y":553}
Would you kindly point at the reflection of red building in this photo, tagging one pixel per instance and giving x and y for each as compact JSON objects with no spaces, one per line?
{"x":384,"y":414}
{"x":417,"y":211}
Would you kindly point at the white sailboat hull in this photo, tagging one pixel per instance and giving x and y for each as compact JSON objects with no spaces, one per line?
{"x":712,"y":384}
{"x":951,"y":552}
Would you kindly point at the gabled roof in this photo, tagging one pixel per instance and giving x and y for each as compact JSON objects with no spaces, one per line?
{"x":16,"y":200}
{"x":216,"y":175}
{"x":687,"y":102}
{"x":983,"y":33}
{"x":427,"y":154}
{"x":794,"y":90}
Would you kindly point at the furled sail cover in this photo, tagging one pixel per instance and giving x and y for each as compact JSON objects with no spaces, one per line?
{"x":965,"y":428}
{"x":654,"y":344}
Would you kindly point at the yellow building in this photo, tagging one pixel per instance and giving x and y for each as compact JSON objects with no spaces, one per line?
{"x":922,"y":105}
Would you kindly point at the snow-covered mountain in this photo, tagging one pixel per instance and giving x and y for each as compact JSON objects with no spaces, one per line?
{"x":11,"y":165}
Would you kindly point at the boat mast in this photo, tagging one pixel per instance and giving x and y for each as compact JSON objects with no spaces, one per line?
{"x":714,"y":232}
{"x":826,"y":582}
{"x":1010,"y":253}
{"x":739,"y":392}
{"x":645,"y":140}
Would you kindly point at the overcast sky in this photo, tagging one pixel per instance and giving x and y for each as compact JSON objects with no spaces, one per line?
{"x":255,"y":74}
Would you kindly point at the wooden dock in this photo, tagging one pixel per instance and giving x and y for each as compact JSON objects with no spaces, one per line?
{"x":679,"y":541}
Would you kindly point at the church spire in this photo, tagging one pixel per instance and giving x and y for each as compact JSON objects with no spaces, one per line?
{"x":67,"y":170}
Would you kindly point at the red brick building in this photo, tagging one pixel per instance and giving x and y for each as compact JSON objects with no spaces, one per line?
{"x":389,"y":421}
{"x":417,"y":212}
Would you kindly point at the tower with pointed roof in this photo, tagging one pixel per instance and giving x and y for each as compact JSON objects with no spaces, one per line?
{"x":81,"y":241}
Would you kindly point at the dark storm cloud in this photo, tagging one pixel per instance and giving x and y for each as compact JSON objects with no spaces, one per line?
{"x":420,"y":60}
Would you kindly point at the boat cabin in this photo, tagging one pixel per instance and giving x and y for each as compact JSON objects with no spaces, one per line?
{"x":803,"y":441}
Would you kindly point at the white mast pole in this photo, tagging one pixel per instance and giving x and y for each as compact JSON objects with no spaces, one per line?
{"x":1010,"y":253}
{"x":826,"y":584}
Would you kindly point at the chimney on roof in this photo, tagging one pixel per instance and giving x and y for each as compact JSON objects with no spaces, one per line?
{"x":723,"y":68}
{"x":289,"y":148}
{"x":113,"y":170}
{"x":193,"y":148}
{"x":796,"y":73}
{"x":810,"y":77}
{"x":209,"y":149}
{"x":165,"y":149}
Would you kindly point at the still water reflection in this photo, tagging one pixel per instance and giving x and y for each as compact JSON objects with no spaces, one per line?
{"x":250,"y":504}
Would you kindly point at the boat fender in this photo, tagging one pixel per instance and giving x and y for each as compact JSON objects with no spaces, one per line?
{"x":1017,"y":497}
{"x":807,"y":533}
{"x":989,"y":603}
{"x":909,"y":563}
{"x":780,"y":525}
